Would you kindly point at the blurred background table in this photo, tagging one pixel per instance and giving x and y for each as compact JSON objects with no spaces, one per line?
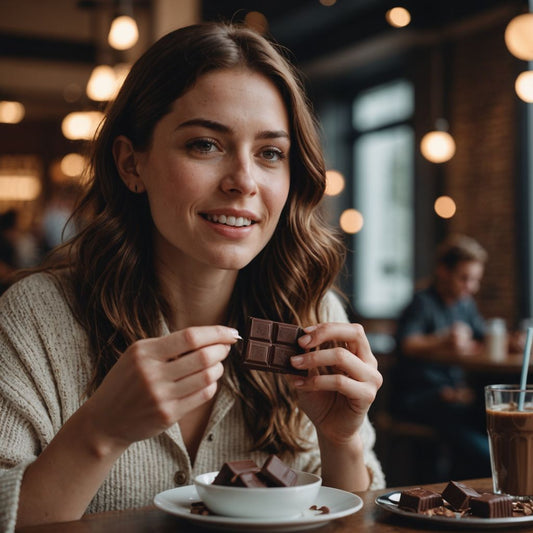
{"x":482,"y":362}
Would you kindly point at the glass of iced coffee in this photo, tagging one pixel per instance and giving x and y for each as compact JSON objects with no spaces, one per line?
{"x":510,"y":428}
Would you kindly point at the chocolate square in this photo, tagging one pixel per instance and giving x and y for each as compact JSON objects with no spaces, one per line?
{"x":277,"y":473}
{"x":492,"y":505}
{"x":458,"y":495}
{"x":419,"y":500}
{"x":230,"y":472}
{"x":270,"y":345}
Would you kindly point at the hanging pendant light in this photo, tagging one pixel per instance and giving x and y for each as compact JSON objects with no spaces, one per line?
{"x":438,"y":146}
{"x":519,"y":36}
{"x":123,"y":33}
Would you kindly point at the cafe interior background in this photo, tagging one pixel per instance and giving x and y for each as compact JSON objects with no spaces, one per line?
{"x":381,"y":75}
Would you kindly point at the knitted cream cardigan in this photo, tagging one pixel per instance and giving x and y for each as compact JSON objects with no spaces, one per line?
{"x":44,"y":357}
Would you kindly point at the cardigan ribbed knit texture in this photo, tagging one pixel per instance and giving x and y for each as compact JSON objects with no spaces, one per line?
{"x":45,"y":368}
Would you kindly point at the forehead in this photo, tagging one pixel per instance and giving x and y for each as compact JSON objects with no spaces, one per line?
{"x":239,"y":85}
{"x":469,"y":268}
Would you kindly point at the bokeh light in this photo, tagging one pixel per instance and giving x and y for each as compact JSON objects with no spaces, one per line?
{"x":351,"y":221}
{"x":398,"y":17}
{"x":445,"y":207}
{"x":334,"y":183}
{"x":524,"y":86}
{"x":437,"y":146}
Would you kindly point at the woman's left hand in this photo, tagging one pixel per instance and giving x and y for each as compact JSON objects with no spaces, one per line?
{"x":336,"y":402}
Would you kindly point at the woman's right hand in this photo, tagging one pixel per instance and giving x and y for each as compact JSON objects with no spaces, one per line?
{"x":157,"y":381}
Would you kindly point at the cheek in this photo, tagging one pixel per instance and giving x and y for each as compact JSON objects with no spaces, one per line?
{"x":276,"y":199}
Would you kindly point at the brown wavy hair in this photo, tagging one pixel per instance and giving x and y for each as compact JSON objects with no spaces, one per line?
{"x":118,"y":299}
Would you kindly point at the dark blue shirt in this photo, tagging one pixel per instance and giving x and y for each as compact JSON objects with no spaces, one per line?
{"x":418,"y":380}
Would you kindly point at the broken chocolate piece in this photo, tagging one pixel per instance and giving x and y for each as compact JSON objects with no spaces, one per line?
{"x":419,"y":499}
{"x":492,"y":506}
{"x":458,"y":495}
{"x":270,"y":345}
{"x":230,"y":471}
{"x":249,"y":480}
{"x":277,"y":473}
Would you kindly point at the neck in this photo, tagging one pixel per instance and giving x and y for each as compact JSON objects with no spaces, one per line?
{"x":197,"y":296}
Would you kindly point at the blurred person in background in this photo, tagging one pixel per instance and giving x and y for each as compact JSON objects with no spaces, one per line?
{"x":443,"y":318}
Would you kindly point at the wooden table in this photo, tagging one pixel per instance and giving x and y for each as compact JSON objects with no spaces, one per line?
{"x":370,"y":518}
{"x":480,"y":363}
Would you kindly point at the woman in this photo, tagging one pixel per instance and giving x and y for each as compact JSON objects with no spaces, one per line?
{"x":122,"y":376}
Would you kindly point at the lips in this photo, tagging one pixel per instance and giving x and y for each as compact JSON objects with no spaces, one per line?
{"x":229,"y":220}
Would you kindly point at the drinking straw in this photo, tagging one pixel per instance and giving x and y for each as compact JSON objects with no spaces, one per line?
{"x":525,"y":367}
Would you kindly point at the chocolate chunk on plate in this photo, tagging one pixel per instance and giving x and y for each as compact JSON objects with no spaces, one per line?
{"x":458,"y":495}
{"x":419,"y":500}
{"x":269,"y":346}
{"x":491,"y":505}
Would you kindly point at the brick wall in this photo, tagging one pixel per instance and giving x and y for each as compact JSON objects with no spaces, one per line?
{"x":483,"y":177}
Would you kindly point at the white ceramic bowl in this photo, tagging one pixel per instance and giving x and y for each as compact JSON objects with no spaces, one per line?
{"x":269,"y":502}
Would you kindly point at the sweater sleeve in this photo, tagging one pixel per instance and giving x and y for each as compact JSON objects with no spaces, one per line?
{"x":30,"y":411}
{"x":333,"y":311}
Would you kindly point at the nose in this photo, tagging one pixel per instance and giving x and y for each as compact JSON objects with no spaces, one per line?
{"x":239,"y":177}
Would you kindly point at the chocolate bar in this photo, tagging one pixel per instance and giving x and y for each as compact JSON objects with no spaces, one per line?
{"x":458,"y":495}
{"x":419,"y":499}
{"x":277,"y":473}
{"x":492,"y":505}
{"x":270,"y":345}
{"x":230,"y":472}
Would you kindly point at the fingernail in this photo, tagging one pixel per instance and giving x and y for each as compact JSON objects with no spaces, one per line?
{"x":297,"y":360}
{"x":299,"y":383}
{"x":235,"y":333}
{"x":308,"y":329}
{"x":305,"y":340}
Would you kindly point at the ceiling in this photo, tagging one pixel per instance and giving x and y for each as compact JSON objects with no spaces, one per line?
{"x":48,"y":47}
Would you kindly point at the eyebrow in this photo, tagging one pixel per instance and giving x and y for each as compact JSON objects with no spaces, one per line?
{"x":217,"y":126}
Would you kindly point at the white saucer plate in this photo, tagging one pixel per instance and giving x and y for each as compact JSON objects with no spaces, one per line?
{"x":340,"y":503}
{"x":389,"y":501}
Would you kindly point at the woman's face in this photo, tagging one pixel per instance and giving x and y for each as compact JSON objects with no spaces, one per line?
{"x":217,"y":171}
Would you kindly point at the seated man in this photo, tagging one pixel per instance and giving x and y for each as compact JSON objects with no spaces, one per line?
{"x":443,"y":318}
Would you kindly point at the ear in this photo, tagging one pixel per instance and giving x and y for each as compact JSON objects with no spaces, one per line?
{"x":126,"y":163}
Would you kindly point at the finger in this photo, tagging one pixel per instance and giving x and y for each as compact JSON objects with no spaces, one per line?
{"x":193,"y":383}
{"x":186,"y":340}
{"x":352,"y":334}
{"x":362,"y":392}
{"x":340,"y":361}
{"x":196,"y":361}
{"x":178,"y":407}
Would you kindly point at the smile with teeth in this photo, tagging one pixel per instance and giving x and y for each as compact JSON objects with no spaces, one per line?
{"x":229,"y":220}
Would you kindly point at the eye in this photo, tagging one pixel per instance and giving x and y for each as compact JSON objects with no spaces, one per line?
{"x":273,"y":154}
{"x":203,"y":146}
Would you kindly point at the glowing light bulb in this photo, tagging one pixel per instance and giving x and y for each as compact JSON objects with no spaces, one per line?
{"x":11,"y":112}
{"x":102,"y":83}
{"x":524,"y":86}
{"x":445,"y":207}
{"x":334,"y":183}
{"x":519,"y":36}
{"x":398,"y":17}
{"x":81,"y":124}
{"x":437,"y":146}
{"x":351,"y":221}
{"x":123,"y":33}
